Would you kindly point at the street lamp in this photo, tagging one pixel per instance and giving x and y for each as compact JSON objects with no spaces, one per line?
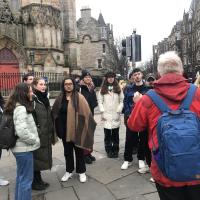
{"x":32,"y":59}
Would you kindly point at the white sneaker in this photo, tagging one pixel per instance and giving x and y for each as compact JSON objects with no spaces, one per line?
{"x":3,"y":182}
{"x":152,"y":180}
{"x":141,"y":164}
{"x":82,"y":178}
{"x":66,"y":177}
{"x":143,"y":170}
{"x":126,"y":164}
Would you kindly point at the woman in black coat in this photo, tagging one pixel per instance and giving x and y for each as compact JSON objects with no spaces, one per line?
{"x":44,"y":122}
{"x":87,"y":90}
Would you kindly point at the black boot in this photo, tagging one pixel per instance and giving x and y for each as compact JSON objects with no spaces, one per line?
{"x":87,"y":159}
{"x":41,"y":181}
{"x":36,"y":185}
{"x":109,"y":154}
{"x":115,"y":154}
{"x":92,"y":157}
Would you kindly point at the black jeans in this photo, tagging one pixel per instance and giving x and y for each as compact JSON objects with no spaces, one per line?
{"x":179,"y":193}
{"x":144,"y":152}
{"x":69,"y":149}
{"x":111,"y":140}
{"x":135,"y":140}
{"x":130,"y":144}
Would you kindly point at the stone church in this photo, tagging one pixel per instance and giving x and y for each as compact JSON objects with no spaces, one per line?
{"x":44,"y":36}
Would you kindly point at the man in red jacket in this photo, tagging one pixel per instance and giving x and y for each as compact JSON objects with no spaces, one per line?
{"x":172,"y":87}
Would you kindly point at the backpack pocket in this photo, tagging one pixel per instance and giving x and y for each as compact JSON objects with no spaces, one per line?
{"x":183,"y":167}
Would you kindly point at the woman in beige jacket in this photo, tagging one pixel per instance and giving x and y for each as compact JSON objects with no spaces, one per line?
{"x":110,"y":101}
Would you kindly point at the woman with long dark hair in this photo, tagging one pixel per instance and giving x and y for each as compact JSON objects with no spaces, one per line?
{"x":19,"y":104}
{"x":75,"y":125}
{"x":110,"y":101}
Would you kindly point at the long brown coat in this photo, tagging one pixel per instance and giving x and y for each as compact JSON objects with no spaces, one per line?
{"x":80,"y":125}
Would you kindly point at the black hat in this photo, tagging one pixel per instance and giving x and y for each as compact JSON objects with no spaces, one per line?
{"x":85,"y":72}
{"x":110,"y":74}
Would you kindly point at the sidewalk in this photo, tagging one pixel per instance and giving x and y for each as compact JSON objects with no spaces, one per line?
{"x":106,"y":181}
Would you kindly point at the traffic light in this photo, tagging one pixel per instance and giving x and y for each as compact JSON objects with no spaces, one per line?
{"x":137,"y":48}
{"x":131,"y":47}
{"x":126,"y":47}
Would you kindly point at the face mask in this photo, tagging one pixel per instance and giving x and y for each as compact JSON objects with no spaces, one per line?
{"x":110,"y":87}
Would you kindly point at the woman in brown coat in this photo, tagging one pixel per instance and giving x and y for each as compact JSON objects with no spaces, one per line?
{"x":75,"y":125}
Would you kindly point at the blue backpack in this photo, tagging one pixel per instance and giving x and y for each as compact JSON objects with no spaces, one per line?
{"x":178,"y":132}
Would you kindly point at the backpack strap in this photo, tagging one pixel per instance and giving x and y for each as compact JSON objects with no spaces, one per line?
{"x":158,"y":101}
{"x":188,"y":99}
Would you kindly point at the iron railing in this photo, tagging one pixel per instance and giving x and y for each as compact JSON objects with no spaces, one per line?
{"x":9,"y":80}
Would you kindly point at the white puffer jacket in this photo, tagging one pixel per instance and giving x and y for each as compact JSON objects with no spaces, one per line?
{"x":26,"y":130}
{"x":111,"y":105}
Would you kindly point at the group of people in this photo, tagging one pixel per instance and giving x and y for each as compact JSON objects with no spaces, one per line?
{"x":35,"y":127}
{"x":72,"y":120}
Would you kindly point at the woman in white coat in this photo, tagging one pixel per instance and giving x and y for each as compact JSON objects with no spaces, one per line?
{"x":110,"y":101}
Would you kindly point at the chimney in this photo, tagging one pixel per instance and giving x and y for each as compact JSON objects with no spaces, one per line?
{"x":86,"y":12}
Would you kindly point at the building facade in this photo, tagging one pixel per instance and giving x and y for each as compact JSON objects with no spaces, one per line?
{"x":43,"y":35}
{"x":185,"y":39}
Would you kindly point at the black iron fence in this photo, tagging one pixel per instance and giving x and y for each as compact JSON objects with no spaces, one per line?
{"x":9,"y":80}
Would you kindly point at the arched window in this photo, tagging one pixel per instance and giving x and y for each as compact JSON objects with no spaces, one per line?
{"x":7,"y":57}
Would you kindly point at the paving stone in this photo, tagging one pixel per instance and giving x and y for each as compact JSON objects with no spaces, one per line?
{"x":4,"y":193}
{"x":65,"y":193}
{"x":92,"y":190}
{"x":107,"y":170}
{"x":135,"y":197}
{"x":130,"y":185}
{"x":152,"y":196}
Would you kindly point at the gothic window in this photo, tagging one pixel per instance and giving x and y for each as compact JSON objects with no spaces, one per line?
{"x":104,"y":48}
{"x":189,"y":28}
{"x":184,"y":60}
{"x":198,"y":35}
{"x":7,"y":56}
{"x":198,"y":16}
{"x":99,"y":63}
{"x":103,"y":33}
{"x":86,"y":39}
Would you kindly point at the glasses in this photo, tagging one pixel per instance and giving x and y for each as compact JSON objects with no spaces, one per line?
{"x":68,"y":84}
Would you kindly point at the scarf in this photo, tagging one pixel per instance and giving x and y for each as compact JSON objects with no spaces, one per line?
{"x":90,"y":86}
{"x":42,"y":96}
{"x":80,"y":125}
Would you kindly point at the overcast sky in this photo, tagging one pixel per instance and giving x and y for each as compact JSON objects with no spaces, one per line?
{"x":153,"y":19}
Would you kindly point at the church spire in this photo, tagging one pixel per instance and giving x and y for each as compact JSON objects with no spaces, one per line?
{"x":101,"y":20}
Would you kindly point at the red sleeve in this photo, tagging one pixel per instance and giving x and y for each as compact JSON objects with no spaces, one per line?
{"x":138,"y":119}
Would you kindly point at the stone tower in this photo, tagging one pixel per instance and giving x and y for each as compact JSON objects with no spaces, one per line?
{"x":69,"y":20}
{"x":71,"y":47}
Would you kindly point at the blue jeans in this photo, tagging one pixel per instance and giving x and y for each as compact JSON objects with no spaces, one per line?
{"x":24,"y":177}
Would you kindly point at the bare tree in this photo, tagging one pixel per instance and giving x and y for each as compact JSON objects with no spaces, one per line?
{"x":114,"y":60}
